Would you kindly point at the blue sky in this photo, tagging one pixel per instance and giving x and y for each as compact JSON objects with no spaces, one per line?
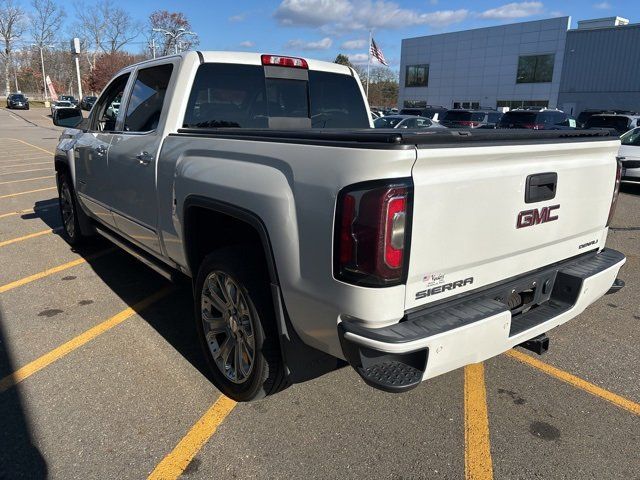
{"x":322,"y":28}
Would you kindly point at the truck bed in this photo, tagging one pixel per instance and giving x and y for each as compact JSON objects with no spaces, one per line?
{"x":394,"y":139}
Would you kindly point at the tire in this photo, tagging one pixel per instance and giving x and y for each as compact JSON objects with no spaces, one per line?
{"x":231,"y":327}
{"x":69,"y":211}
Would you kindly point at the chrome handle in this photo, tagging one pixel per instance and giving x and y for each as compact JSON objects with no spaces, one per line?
{"x":144,"y":158}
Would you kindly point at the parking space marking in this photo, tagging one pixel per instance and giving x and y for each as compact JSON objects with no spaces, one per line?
{"x":24,"y":165}
{"x":175,"y":463}
{"x":43,"y":206}
{"x":27,"y":143}
{"x":577,"y":382}
{"x":25,"y":193}
{"x":27,"y":179}
{"x":25,"y":171}
{"x":50,"y":271}
{"x":31,"y":235}
{"x":75,"y":343}
{"x":477,"y":452}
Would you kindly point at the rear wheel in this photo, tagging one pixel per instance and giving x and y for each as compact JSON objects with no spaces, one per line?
{"x":236,"y":325}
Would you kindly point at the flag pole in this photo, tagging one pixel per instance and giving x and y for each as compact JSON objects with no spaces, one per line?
{"x":369,"y":63}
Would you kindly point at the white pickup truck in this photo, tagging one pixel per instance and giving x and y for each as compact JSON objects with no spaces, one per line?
{"x":309,"y":236}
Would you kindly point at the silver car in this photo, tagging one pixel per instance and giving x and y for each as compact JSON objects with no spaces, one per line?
{"x":407,"y":121}
{"x":630,"y":156}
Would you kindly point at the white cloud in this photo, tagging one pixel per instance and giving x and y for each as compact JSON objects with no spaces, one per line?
{"x":358,"y":58}
{"x":354,"y":44}
{"x":237,"y":18}
{"x":346,"y":15}
{"x":247,"y":44}
{"x":602,"y":6}
{"x":312,"y":12}
{"x":323,"y":44}
{"x":514,"y":10}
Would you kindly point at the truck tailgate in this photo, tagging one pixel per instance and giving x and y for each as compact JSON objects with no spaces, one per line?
{"x":472,"y":227}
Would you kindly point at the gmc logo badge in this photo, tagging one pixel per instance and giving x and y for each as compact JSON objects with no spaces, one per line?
{"x":528,"y":218}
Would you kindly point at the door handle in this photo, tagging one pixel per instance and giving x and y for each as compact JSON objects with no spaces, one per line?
{"x":144,"y":158}
{"x":100,"y":149}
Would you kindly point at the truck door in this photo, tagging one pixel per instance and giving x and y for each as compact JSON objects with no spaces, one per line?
{"x":133,"y":156}
{"x":91,"y":150}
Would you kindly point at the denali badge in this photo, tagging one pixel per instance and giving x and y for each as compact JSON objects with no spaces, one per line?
{"x":528,"y":218}
{"x":443,"y":288}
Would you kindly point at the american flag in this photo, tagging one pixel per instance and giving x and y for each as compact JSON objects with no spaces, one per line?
{"x":377,"y":53}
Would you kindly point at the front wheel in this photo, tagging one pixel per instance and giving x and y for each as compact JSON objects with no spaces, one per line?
{"x":69,"y":211}
{"x":236,"y":326}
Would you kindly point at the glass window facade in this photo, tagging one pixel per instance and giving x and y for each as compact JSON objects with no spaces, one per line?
{"x":535,"y":68}
{"x":417,"y":76}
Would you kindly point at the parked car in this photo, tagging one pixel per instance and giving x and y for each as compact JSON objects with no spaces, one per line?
{"x":629,"y":154}
{"x":61,"y":104}
{"x":311,"y":240}
{"x":430,"y":111}
{"x":17,"y":101}
{"x":406,"y":121}
{"x":543,"y":119}
{"x":460,"y":118}
{"x":68,"y":98}
{"x":87,"y":102}
{"x":621,"y":123}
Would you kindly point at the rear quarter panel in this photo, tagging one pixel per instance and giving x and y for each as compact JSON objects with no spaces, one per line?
{"x":292,"y":188}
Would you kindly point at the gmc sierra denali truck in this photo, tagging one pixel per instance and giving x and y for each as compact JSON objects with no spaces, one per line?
{"x":309,"y":235}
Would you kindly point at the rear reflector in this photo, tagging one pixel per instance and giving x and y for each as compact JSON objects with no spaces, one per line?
{"x":616,"y":192}
{"x":279,"y":61}
{"x":371,"y":233}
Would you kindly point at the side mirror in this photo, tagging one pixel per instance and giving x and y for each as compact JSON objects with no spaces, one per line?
{"x":67,"y":117}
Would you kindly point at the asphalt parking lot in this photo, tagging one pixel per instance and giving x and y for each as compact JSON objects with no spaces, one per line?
{"x":100,"y":374}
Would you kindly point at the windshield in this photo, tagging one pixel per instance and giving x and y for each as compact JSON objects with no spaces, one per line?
{"x":632,"y":137}
{"x":387,"y":122}
{"x":518,"y":118}
{"x":608,"y":121}
{"x":18,"y":97}
{"x":462,"y":116}
{"x":63,"y":104}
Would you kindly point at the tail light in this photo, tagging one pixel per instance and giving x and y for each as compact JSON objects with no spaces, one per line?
{"x":469,"y":123}
{"x":533,"y":126}
{"x":371,"y":233}
{"x":616,"y":191}
{"x":280,"y":61}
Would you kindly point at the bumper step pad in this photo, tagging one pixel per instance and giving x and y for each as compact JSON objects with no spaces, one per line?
{"x":391,"y":376}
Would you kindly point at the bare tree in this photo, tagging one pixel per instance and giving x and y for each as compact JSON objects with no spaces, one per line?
{"x":45,"y":21}
{"x":174,"y":23}
{"x":12,"y":26}
{"x":44,"y":24}
{"x":104,"y":28}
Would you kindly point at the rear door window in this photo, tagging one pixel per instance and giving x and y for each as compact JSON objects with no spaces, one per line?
{"x":147,"y":98}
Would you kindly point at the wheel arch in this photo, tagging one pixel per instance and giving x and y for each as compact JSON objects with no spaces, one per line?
{"x":194,"y":205}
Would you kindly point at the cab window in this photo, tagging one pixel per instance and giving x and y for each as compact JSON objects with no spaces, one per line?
{"x":108,"y":105}
{"x":147,"y":98}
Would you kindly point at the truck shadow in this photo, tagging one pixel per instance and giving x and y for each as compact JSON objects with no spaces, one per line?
{"x":19,"y":457}
{"x":630,"y":188}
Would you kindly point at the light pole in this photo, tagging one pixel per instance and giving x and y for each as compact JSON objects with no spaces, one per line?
{"x":44,"y":78}
{"x":175,"y":35}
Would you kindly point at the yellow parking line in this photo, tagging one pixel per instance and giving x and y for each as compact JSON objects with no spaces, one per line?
{"x":75,"y":343}
{"x":50,"y":271}
{"x":174,"y":464}
{"x":24,"y":165}
{"x":44,"y":206}
{"x":29,"y":191}
{"x":27,"y":237}
{"x":27,"y":179}
{"x":477,"y":452}
{"x":25,"y":171}
{"x":577,"y":382}
{"x":27,"y":143}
